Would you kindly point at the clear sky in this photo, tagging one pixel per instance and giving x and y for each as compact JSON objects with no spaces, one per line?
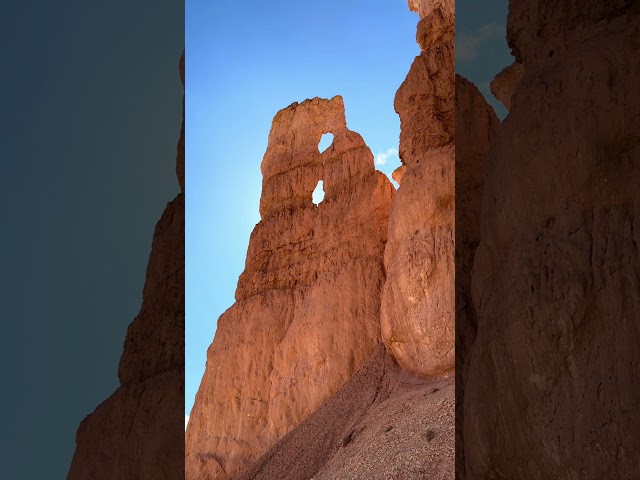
{"x":247,"y":60}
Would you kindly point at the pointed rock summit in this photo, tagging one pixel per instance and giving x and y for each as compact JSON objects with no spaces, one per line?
{"x":325,"y":285}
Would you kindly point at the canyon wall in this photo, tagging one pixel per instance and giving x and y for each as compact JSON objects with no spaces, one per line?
{"x":307,"y":306}
{"x":133,"y":433}
{"x":550,"y":389}
{"x":476,"y":128}
{"x":417,"y":312}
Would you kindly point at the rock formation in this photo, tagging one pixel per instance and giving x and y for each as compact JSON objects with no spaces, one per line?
{"x":506,"y":82}
{"x":310,"y":306}
{"x":550,"y":389}
{"x":307,"y":306}
{"x":424,"y":8}
{"x":133,"y":433}
{"x":476,"y":128}
{"x":418,"y":300}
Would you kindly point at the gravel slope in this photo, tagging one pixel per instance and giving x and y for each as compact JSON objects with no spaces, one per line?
{"x":382,"y":424}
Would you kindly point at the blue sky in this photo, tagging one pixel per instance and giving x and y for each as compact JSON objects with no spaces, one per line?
{"x":246,"y":61}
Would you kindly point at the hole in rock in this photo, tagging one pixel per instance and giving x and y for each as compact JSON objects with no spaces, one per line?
{"x":318,"y":194}
{"x":325,"y":141}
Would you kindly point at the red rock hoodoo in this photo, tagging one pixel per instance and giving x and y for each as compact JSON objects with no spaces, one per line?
{"x":418,"y":300}
{"x":307,"y":306}
{"x":476,"y":128}
{"x":323,"y":286}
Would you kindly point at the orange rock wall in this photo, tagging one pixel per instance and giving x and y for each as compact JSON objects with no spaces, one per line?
{"x":417,"y":312}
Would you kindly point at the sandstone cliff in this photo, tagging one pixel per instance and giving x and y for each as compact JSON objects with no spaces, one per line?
{"x":308,"y":302}
{"x":417,"y":312}
{"x":133,"y":433}
{"x":556,"y":276}
{"x":506,"y":82}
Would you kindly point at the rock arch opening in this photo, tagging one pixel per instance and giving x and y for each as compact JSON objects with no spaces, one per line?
{"x":325,"y":141}
{"x":318,"y":193}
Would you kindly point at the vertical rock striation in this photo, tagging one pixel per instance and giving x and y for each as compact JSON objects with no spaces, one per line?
{"x":556,"y":279}
{"x":133,"y":433}
{"x":308,"y":302}
{"x":417,"y":312}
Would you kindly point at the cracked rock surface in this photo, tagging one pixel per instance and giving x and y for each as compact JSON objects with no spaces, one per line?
{"x":417,"y":313}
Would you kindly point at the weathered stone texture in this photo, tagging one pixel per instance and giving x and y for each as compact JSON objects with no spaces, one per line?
{"x":418,"y":301}
{"x":476,"y":127}
{"x":505,"y":83}
{"x":556,"y":276}
{"x":383,"y":423}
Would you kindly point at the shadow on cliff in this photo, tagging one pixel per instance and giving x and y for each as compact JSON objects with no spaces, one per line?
{"x":548,"y":295}
{"x":138,"y":431}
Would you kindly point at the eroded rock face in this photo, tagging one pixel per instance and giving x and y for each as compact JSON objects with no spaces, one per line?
{"x":417,"y":313}
{"x":133,"y":433}
{"x":556,"y":275}
{"x":308,"y":302}
{"x":476,"y":127}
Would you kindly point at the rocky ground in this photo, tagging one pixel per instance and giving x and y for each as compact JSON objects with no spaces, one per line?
{"x":382,"y":424}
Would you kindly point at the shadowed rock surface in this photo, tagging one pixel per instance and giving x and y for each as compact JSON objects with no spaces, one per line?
{"x":476,"y":128}
{"x":133,"y":433}
{"x":308,"y":302}
{"x":506,"y":82}
{"x":556,"y":282}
